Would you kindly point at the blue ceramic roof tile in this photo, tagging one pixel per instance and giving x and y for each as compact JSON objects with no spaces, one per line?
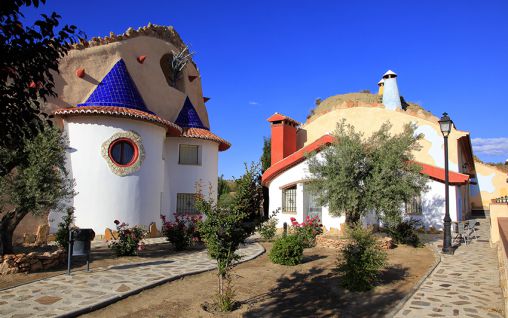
{"x":117,"y":89}
{"x":188,"y":117}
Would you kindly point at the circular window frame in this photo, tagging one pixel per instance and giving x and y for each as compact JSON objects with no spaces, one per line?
{"x":135,"y":154}
{"x":134,"y":139}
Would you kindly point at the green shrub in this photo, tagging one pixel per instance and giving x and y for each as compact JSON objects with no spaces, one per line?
{"x":62,"y":234}
{"x":405,"y":232}
{"x":287,"y":250}
{"x":362,"y":260}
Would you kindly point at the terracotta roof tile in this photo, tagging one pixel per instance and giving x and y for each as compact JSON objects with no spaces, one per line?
{"x":205,"y":134}
{"x":438,"y":174}
{"x":298,"y":156}
{"x":173,"y":129}
{"x":280,"y":117}
{"x":294,"y":158}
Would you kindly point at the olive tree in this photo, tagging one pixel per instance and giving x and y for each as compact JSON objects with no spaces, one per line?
{"x":39,"y":183}
{"x":356,"y":175}
{"x":32,"y":173}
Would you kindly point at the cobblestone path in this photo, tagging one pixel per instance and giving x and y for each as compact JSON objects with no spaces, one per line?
{"x":465,"y":284}
{"x":69,"y":295}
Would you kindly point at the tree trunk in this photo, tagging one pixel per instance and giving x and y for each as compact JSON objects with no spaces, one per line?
{"x":352,"y":219}
{"x":8,"y":224}
{"x":266,"y":203}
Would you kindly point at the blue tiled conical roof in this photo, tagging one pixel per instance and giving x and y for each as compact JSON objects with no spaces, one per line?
{"x":188,"y":117}
{"x":117,"y":89}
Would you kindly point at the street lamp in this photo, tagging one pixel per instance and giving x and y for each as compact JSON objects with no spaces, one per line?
{"x":445,"y":123}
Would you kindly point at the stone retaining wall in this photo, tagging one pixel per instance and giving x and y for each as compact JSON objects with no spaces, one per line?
{"x":323,"y":241}
{"x":502,"y":255}
{"x":503,"y":274}
{"x":31,"y":262}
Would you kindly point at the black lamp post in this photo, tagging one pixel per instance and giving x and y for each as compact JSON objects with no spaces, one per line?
{"x":445,"y":123}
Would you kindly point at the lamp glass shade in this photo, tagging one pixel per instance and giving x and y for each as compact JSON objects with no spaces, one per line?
{"x":445,"y":123}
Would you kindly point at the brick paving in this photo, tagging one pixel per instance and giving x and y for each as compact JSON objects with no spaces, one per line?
{"x":64,"y":295}
{"x":465,"y":284}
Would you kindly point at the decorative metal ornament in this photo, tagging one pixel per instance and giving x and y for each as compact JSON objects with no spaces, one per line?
{"x":119,"y":170}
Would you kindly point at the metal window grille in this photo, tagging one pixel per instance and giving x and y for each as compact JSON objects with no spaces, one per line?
{"x":189,"y":155}
{"x":289,"y":199}
{"x":185,"y":203}
{"x":414,"y":206}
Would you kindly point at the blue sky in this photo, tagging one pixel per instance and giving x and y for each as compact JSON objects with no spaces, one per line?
{"x":259,"y":57}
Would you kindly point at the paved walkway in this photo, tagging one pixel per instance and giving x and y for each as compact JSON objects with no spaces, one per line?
{"x":70,"y":295}
{"x":465,"y":284}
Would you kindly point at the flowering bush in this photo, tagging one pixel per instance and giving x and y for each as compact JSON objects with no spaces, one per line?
{"x":268,"y":228}
{"x":307,"y":230}
{"x":129,"y":239}
{"x":183,"y":231}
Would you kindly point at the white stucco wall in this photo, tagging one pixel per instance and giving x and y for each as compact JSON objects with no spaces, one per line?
{"x":297,"y":174}
{"x":103,"y":196}
{"x":433,"y":204}
{"x":183,"y":178}
{"x":433,"y":201}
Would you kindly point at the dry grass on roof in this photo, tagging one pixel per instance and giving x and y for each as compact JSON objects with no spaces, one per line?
{"x":344,"y":101}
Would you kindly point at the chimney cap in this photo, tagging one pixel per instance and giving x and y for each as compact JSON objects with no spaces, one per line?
{"x":381,"y":82}
{"x":280,"y":117}
{"x":389,"y":74}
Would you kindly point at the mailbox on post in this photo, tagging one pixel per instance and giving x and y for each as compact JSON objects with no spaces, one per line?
{"x":80,"y":242}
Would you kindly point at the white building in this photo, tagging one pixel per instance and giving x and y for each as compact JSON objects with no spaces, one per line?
{"x":288,"y":175}
{"x":139,"y":144}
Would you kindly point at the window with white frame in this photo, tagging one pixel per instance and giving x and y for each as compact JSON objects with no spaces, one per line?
{"x":188,"y":155}
{"x":315,"y":209}
{"x":186,"y":203}
{"x":414,"y":206}
{"x":289,"y":199}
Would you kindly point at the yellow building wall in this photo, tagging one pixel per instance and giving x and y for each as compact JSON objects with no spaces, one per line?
{"x":158,"y":96}
{"x":368,"y":118}
{"x":491,"y":184}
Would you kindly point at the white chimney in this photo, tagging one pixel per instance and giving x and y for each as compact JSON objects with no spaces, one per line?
{"x":380,"y":85}
{"x":391,"y":96}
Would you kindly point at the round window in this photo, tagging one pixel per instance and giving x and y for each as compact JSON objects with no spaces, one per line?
{"x":123,"y":152}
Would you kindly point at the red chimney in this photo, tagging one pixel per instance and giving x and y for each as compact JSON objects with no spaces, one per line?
{"x":283,"y":136}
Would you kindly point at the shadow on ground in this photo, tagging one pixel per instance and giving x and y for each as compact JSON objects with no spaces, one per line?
{"x":318,"y":293}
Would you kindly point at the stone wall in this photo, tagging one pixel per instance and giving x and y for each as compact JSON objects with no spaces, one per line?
{"x":503,"y":274}
{"x":502,"y":248}
{"x":339,"y":243}
{"x":31,"y":262}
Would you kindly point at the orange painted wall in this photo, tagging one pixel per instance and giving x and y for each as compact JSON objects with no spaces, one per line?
{"x":283,"y":141}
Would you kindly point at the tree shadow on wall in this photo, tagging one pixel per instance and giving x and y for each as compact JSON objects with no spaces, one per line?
{"x":433,"y":212}
{"x":318,"y":293}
